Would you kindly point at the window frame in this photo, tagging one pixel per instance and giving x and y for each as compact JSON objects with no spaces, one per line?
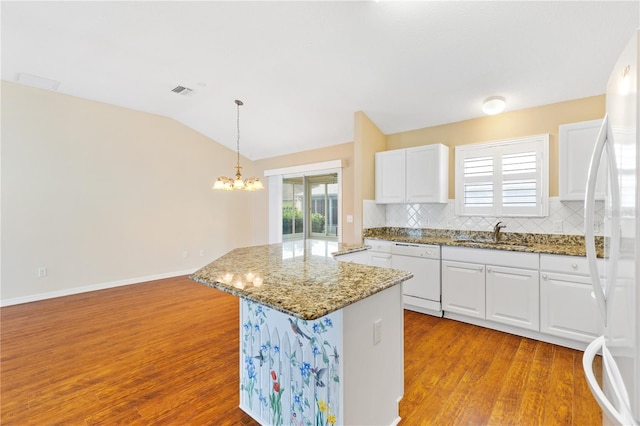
{"x":497,"y":150}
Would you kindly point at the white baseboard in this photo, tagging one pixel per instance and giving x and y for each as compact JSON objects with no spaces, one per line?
{"x":93,"y":287}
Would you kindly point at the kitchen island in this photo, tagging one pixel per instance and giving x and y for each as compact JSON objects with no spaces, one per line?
{"x":321,"y":341}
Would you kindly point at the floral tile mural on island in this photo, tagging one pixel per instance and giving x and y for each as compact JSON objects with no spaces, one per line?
{"x":290,"y":368}
{"x":565,"y":217}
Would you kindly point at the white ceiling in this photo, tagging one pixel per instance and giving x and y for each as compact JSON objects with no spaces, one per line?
{"x":303,"y":68}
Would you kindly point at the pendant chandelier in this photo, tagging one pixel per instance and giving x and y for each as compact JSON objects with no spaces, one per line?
{"x":230,"y":184}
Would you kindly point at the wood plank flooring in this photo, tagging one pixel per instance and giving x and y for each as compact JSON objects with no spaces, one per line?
{"x":166,"y":353}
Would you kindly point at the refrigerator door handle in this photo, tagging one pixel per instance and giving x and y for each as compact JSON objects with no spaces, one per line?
{"x":589,"y":213}
{"x":624,"y":417}
{"x":602,"y":143}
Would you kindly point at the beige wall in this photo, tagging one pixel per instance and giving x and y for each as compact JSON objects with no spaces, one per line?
{"x":543,"y":119}
{"x":336,"y":152}
{"x":368,"y":140}
{"x":99,"y":194}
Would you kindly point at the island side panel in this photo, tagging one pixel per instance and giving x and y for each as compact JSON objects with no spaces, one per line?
{"x":374,"y":373}
{"x":290,"y":369}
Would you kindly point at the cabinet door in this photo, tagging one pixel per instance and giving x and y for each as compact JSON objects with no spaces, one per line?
{"x":390,"y":176}
{"x":380,"y":259}
{"x":427,"y":173}
{"x":463,"y":288}
{"x":567,"y":308}
{"x":576,"y":146}
{"x":513,"y":297}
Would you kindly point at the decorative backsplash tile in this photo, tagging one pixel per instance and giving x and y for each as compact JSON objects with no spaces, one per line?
{"x":565,"y":217}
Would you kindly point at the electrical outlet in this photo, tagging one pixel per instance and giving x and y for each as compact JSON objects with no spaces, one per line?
{"x":185,"y":254}
{"x":201,"y":252}
{"x":42,"y":272}
{"x":377,"y":331}
{"x":557,"y":226}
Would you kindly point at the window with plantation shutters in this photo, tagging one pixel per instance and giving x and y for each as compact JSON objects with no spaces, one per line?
{"x":502,"y":179}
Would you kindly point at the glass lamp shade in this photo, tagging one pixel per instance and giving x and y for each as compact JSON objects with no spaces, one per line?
{"x":223,"y":183}
{"x":228,"y":184}
{"x":219,"y":184}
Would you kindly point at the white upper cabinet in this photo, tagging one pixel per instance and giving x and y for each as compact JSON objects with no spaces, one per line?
{"x":427,"y":174}
{"x":413,"y":175}
{"x":576,"y":145}
{"x":390,"y":177}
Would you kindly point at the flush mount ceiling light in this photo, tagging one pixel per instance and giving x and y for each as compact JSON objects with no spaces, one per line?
{"x":230,"y":184}
{"x":493,"y":105}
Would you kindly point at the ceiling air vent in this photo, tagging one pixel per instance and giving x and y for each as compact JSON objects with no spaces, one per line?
{"x":181,"y":90}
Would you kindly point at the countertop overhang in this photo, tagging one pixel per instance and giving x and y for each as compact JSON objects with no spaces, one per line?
{"x":297,"y":279}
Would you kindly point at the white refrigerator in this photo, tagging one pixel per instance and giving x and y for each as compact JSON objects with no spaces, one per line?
{"x":617,"y":290}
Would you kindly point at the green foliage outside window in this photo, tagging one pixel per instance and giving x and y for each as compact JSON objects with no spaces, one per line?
{"x":289,"y":214}
{"x":317,"y":223}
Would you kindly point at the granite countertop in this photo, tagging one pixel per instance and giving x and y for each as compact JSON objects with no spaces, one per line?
{"x":299,"y":279}
{"x":570,"y":245}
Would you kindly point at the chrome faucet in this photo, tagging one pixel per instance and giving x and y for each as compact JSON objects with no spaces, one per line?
{"x":496,"y":231}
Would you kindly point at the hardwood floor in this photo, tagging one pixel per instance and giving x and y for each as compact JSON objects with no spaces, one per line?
{"x":166,"y":352}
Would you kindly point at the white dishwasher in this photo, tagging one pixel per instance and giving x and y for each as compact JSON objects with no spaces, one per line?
{"x":422,"y":292}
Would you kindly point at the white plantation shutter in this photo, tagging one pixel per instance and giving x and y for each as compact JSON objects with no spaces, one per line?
{"x":507,"y":178}
{"x":478,"y":186}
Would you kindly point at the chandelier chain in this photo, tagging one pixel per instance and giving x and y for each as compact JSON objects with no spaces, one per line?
{"x":238,"y":103}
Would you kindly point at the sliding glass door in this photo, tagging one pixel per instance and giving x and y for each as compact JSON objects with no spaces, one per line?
{"x":323,"y":206}
{"x":293,"y":202}
{"x":310,"y":207}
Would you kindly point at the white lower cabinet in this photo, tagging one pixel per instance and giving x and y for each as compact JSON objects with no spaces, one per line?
{"x":379,"y":253}
{"x":463,"y":288}
{"x":547,"y":297}
{"x":382,"y":260}
{"x":567,"y":307}
{"x":490,"y":290}
{"x":512,"y":296}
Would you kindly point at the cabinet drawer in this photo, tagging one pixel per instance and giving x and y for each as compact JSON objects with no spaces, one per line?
{"x":380,"y":246}
{"x":361,"y":257}
{"x":567,"y":264}
{"x":492,"y":257}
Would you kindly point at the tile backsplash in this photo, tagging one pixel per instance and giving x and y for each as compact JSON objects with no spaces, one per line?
{"x":565,"y":217}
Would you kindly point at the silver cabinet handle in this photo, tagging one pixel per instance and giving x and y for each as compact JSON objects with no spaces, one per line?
{"x":544,"y":276}
{"x":574,"y":265}
{"x":488,"y":269}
